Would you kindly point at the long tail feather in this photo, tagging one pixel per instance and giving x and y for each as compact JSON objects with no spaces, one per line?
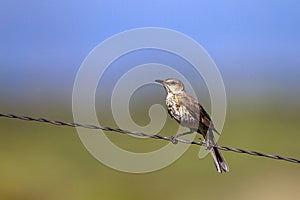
{"x":219,"y":160}
{"x":217,"y":156}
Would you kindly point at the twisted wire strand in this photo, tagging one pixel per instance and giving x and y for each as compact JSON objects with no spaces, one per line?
{"x":106,"y":128}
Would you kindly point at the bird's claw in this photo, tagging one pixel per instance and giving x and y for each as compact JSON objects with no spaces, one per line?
{"x":208,"y":146}
{"x":174,"y":139}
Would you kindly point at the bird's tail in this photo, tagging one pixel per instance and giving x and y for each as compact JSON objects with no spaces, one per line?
{"x":219,"y":160}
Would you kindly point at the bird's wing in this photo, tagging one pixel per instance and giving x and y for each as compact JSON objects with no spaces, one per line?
{"x":196,"y":111}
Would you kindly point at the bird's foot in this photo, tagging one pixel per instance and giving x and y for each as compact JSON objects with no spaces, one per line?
{"x":208,"y":145}
{"x":174,"y":139}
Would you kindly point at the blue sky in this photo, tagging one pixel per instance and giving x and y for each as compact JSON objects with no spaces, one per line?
{"x":255,"y":44}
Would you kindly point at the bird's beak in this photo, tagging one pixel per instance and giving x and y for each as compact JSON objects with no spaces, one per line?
{"x":159,"y":81}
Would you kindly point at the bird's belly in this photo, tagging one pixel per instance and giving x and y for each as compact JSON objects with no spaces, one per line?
{"x":181,"y":115}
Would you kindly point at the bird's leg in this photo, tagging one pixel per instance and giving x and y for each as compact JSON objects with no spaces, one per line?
{"x":174,"y":138}
{"x":209,"y":139}
{"x":186,"y":133}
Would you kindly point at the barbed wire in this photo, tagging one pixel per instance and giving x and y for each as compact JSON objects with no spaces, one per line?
{"x":106,"y":128}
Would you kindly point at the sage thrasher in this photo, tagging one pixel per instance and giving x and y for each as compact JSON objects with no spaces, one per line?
{"x":189,"y":113}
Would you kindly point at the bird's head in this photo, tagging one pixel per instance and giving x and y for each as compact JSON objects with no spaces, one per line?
{"x":172,"y":85}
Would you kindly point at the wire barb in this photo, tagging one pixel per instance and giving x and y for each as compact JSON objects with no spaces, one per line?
{"x":106,"y":128}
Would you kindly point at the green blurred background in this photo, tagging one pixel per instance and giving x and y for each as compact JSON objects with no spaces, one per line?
{"x":40,"y":161}
{"x":256,"y":46}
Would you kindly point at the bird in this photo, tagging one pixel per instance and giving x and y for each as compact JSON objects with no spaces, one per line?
{"x":188,"y":112}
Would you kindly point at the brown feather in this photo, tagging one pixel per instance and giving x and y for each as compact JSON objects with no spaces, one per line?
{"x":189,"y":113}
